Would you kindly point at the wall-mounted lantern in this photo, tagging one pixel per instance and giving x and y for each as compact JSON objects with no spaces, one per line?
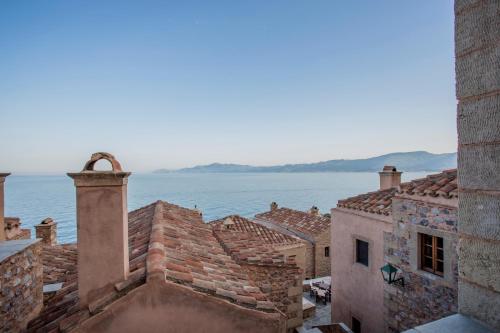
{"x":390,"y":275}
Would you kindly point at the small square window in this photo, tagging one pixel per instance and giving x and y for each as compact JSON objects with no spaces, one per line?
{"x":356,"y":325}
{"x":327,"y":251}
{"x":431,"y":254}
{"x":362,"y":252}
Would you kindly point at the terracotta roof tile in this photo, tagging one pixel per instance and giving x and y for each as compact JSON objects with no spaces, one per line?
{"x":185,"y":249}
{"x":251,"y":243}
{"x":304,"y":222}
{"x":243,"y":225}
{"x":166,"y":242}
{"x":443,"y":184}
{"x":61,"y":309}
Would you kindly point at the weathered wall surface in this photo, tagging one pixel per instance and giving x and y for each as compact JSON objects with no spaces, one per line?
{"x":167,"y":307}
{"x":425,"y":296}
{"x":309,"y":261}
{"x":357,"y":290}
{"x":282,"y":286}
{"x":21,"y":287}
{"x":322,"y":263}
{"x":477,"y":53}
{"x":298,"y":251}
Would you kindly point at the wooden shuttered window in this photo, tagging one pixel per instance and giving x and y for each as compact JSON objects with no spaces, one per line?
{"x":431,"y":254}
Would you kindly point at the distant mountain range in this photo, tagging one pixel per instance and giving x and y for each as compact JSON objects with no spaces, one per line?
{"x":410,"y":161}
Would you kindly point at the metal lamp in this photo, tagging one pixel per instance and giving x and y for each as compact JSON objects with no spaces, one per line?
{"x":389,"y":273}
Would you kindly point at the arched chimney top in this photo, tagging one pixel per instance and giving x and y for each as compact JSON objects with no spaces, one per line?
{"x":89,"y":166}
{"x":390,"y":168}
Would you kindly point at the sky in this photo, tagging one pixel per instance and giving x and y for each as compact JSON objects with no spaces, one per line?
{"x":170,"y":84}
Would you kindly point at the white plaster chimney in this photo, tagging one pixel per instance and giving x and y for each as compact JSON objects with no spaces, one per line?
{"x":102,"y":227}
{"x":2,"y":212}
{"x":389,"y":177}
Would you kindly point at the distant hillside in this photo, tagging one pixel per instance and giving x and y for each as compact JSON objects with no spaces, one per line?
{"x":410,"y":161}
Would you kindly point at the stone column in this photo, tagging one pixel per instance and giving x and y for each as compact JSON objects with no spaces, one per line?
{"x":47,"y":231}
{"x":477,"y":54}
{"x":2,"y":223}
{"x":102,"y":227}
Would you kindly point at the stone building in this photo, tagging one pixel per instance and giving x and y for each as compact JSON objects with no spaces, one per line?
{"x":269,"y":258}
{"x":423,"y":245}
{"x":20,"y":272}
{"x":478,"y":118}
{"x":157,"y":269}
{"x":310,"y":226}
{"x":412,"y":226}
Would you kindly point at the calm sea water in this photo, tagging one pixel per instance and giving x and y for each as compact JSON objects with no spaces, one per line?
{"x":33,"y":198}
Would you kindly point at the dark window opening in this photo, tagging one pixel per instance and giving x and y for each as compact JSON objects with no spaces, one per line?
{"x":362,"y":252}
{"x":356,"y":325}
{"x":431,"y":254}
{"x":327,"y":251}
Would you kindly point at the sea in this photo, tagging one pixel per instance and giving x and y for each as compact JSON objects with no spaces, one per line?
{"x":35,"y":197}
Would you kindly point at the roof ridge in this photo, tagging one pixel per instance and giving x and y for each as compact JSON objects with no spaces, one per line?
{"x":156,"y":248}
{"x":246,"y":225}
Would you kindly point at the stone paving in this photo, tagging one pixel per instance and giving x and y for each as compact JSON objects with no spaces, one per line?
{"x":322,"y":315}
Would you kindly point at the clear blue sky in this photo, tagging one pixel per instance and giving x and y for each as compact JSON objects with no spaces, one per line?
{"x":167,"y":84}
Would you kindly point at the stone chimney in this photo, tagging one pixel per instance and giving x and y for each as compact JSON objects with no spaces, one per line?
{"x":389,"y":177}
{"x":314,"y":211}
{"x":228,"y":223}
{"x":47,"y":231}
{"x":274,"y":206}
{"x":2,"y":223}
{"x":102,"y":227}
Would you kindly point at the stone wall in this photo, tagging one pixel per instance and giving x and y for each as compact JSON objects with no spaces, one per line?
{"x":425,"y":296}
{"x":282,"y":284}
{"x":21,"y":273}
{"x":309,"y":261}
{"x":298,"y":252}
{"x":477,"y":54}
{"x":322,"y":264}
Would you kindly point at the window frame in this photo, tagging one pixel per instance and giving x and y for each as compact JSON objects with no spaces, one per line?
{"x":436,"y":255}
{"x":358,"y":258}
{"x":353,"y":320}
{"x":327,"y":252}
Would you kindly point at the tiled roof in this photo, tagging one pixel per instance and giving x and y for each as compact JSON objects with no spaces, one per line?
{"x":443,"y":185}
{"x":304,"y":222}
{"x":61,"y":310}
{"x":193,"y":257}
{"x":249,"y":242}
{"x":378,"y":202}
{"x":59,"y":263}
{"x":243,"y":225}
{"x":165,"y":239}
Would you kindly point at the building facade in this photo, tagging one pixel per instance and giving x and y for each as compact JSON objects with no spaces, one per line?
{"x":358,"y":226}
{"x":311,"y":226}
{"x":423,"y":245}
{"x":412,"y":226}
